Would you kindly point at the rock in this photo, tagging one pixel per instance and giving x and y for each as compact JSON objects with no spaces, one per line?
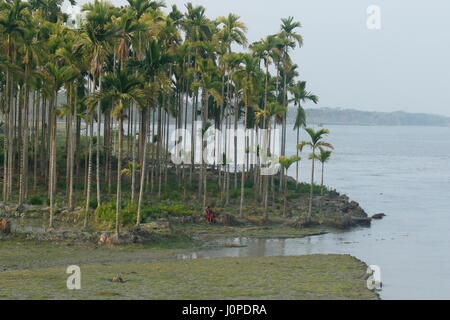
{"x":333,"y":194}
{"x":117,"y":279}
{"x":34,"y":215}
{"x":161,"y":224}
{"x":365,"y":222}
{"x":156,"y":225}
{"x":25,"y":208}
{"x":302,"y":222}
{"x":190,"y":219}
{"x":228,"y":220}
{"x":378,"y":216}
{"x":104,"y":240}
{"x":137,"y":235}
{"x":5,"y":226}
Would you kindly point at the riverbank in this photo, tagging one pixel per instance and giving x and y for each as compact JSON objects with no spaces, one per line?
{"x":38,"y":271}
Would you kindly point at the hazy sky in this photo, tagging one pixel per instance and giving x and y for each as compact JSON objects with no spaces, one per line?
{"x":403,"y":66}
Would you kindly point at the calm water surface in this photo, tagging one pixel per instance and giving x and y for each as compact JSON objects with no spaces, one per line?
{"x":401,"y":171}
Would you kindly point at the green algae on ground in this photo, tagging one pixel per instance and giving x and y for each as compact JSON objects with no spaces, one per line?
{"x":270,"y":231}
{"x":294,"y":277}
{"x":31,"y":255}
{"x":252,"y":226}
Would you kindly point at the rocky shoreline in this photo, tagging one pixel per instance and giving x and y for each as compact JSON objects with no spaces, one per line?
{"x":334,"y":210}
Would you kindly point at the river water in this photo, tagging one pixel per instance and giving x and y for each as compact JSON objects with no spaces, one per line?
{"x":403,"y":172}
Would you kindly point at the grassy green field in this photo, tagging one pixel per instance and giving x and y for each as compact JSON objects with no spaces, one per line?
{"x":301,"y":277}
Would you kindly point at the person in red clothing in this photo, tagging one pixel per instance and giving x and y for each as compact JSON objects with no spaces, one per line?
{"x":209,"y":215}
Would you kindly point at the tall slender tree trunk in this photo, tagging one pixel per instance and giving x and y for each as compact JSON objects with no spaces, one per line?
{"x":52,"y":181}
{"x":204,"y":164}
{"x":321,"y":182}
{"x":285,"y":192}
{"x":6,"y":157}
{"x":143,"y":167}
{"x":36,"y":141}
{"x":24,"y":164}
{"x":119,"y":176}
{"x":10,"y":154}
{"x":107,"y":148}
{"x":266,"y":177}
{"x":89,"y":174}
{"x":7,"y":135}
{"x":236,"y":119}
{"x":312,"y":188}
{"x":77,"y":147}
{"x":241,"y":213}
{"x":133,"y":155}
{"x":297,"y":164}
{"x":99,"y":122}
{"x":70,"y":156}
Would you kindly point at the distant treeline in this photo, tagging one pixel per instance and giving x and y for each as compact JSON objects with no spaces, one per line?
{"x":355,"y":117}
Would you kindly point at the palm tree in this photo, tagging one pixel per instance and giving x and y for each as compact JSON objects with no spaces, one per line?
{"x":210,"y":89}
{"x":288,"y":40}
{"x":266,"y":49}
{"x":30,"y":53}
{"x":232,"y":31}
{"x":277,"y":111}
{"x":301,"y":96}
{"x":124,"y":88}
{"x":324,"y":156}
{"x":247,"y":77}
{"x":14,"y":16}
{"x":55,"y":77}
{"x":49,"y":9}
{"x":71,"y":53}
{"x":316,"y":141}
{"x":99,"y":35}
{"x":154,"y":63}
{"x":139,"y":7}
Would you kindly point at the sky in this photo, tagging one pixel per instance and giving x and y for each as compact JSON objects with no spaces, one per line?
{"x":404,"y":65}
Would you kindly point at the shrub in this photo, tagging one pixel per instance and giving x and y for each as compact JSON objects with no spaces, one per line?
{"x":129,"y":213}
{"x":92,"y":204}
{"x":306,"y":187}
{"x":106,"y":213}
{"x":236,"y":193}
{"x":249,"y":183}
{"x":292,"y":196}
{"x":35,"y":200}
{"x":172,"y":195}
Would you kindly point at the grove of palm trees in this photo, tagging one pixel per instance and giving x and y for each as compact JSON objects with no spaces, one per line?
{"x":88,"y":105}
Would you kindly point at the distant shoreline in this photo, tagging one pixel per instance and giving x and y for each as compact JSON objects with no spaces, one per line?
{"x":337,"y":116}
{"x":375,"y":125}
